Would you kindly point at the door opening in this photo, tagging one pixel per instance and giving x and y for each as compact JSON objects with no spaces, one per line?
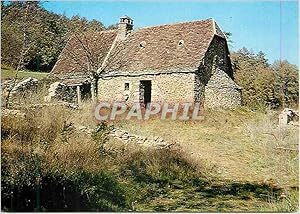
{"x":145,"y":92}
{"x":86,"y":91}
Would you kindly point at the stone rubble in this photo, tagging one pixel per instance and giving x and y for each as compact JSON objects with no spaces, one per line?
{"x":288,"y":116}
{"x":126,"y":137}
{"x":56,"y":91}
{"x":12,"y":112}
{"x":84,"y":129}
{"x":27,"y":84}
{"x":7,"y":85}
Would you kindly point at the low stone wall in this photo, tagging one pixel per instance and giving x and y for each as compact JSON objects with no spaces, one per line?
{"x":28,"y":85}
{"x":126,"y":137}
{"x":59,"y":91}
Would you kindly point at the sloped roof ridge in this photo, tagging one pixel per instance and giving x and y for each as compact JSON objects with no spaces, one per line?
{"x":93,"y":33}
{"x":173,"y":24}
{"x":104,"y":31}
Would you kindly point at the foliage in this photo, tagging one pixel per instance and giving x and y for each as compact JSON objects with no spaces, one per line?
{"x":265,"y":85}
{"x":160,"y":166}
{"x":46,"y":33}
{"x":287,"y":82}
{"x":29,"y":158}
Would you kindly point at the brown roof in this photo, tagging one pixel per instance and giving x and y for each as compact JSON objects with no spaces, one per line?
{"x":178,"y":46}
{"x":161,"y":49}
{"x":74,"y":61}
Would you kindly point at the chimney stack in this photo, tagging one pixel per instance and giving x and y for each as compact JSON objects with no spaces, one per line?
{"x":125,"y":25}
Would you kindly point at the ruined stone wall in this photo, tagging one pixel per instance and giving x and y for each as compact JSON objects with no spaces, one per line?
{"x":175,"y":87}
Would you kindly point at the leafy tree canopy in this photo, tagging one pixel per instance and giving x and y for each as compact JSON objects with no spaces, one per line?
{"x":46,"y":33}
{"x":263,"y":84}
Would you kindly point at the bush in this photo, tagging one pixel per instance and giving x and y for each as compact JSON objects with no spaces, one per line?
{"x":100,"y":135}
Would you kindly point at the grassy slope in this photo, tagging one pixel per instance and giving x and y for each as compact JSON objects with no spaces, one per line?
{"x":239,"y":148}
{"x":235,"y":149}
{"x":241,"y":144}
{"x":8,"y":73}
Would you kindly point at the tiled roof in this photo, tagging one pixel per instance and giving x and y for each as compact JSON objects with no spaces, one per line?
{"x":73,"y":59}
{"x":173,"y":47}
{"x":177,"y":46}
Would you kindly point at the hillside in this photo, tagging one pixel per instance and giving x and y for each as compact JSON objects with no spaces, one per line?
{"x":230,"y":161}
{"x":9,"y":73}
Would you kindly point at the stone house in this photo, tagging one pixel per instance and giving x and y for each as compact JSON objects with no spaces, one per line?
{"x":182,"y":62}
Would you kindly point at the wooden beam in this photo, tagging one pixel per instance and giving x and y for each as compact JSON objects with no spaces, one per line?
{"x":78,"y":94}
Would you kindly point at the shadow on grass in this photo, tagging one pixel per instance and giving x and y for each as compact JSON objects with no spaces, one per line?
{"x":240,"y":190}
{"x":200,"y":195}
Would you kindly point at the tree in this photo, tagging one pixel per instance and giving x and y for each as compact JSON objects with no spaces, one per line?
{"x":228,"y":36}
{"x":47,"y":34}
{"x":287,"y":82}
{"x":264,"y":85}
{"x":94,"y":53}
{"x":25,"y":41}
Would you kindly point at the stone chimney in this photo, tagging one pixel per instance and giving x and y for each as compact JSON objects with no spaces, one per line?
{"x":125,"y":26}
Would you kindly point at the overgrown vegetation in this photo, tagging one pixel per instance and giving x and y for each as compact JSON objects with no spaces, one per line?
{"x":265,"y":85}
{"x":46,"y":34}
{"x":48,"y":164}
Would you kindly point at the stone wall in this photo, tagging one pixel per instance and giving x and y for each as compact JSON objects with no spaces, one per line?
{"x":175,"y":87}
{"x":210,"y":87}
{"x":126,"y":137}
{"x":221,"y":91}
{"x":59,"y":91}
{"x":217,"y":56}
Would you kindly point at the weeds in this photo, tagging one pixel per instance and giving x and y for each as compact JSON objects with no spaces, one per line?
{"x":76,"y":171}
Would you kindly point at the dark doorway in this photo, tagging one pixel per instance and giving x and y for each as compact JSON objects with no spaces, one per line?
{"x":86,"y":91}
{"x":145,"y":92}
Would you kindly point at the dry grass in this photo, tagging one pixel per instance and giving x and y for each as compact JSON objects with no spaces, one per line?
{"x":241,"y":144}
{"x":237,"y":145}
{"x":227,"y":162}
